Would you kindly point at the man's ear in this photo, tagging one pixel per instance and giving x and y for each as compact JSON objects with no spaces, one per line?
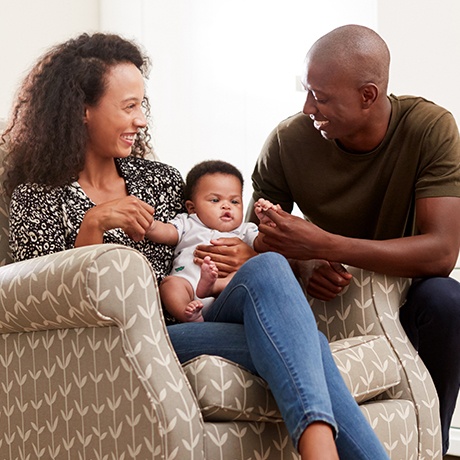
{"x":190,"y":206}
{"x":369,"y":94}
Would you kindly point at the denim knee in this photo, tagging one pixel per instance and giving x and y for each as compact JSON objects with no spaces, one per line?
{"x":267,"y":260}
{"x":268,"y":267}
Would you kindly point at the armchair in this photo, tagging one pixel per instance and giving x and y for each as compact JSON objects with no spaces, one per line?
{"x":87,"y":369}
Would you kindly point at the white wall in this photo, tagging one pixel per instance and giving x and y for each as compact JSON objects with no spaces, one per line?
{"x":424,"y":40}
{"x":30,"y":27}
{"x":224,"y":72}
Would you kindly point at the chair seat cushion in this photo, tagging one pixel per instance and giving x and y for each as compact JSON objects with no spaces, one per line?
{"x":227,"y":391}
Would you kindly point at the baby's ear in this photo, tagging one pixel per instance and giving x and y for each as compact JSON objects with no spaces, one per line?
{"x":190,"y":206}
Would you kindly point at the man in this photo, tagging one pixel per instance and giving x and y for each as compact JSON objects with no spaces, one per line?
{"x":378,"y":179}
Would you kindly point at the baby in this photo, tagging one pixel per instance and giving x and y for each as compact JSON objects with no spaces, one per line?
{"x":213,"y":193}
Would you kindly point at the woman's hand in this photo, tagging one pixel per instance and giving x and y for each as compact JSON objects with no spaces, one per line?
{"x":131,"y":214}
{"x":229,"y":254}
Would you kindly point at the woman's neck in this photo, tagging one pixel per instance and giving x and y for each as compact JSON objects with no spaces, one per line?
{"x":102,"y":182}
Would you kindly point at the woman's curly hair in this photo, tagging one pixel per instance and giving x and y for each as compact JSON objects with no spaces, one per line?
{"x":46,"y":137}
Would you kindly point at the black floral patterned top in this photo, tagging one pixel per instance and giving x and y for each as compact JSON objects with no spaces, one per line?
{"x":44,"y":220}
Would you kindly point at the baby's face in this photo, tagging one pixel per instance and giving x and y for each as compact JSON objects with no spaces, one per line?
{"x":218,"y":202}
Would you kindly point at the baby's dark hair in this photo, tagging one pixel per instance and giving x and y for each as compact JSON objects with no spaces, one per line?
{"x":208,"y":167}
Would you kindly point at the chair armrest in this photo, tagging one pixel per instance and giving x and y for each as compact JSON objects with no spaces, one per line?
{"x":362,"y":306}
{"x":49,"y":292}
{"x":370,"y":306}
{"x":99,"y":286}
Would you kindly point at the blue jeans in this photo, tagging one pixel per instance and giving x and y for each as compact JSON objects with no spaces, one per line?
{"x":431,"y":319}
{"x":263,"y":321}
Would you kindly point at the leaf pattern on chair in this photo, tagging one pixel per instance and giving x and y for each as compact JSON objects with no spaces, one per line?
{"x":375,"y":300}
{"x":87,"y":369}
{"x":77,"y":364}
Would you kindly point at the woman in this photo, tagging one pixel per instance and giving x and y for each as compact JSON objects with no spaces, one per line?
{"x":75,"y":167}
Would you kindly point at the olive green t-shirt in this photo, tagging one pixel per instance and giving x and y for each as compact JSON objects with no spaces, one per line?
{"x":370,"y":195}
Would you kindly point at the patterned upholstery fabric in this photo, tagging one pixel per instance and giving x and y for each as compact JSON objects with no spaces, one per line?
{"x":367,"y":365}
{"x":87,"y":369}
{"x":370,"y":305}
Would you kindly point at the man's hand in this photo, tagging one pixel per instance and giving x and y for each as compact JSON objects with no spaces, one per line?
{"x":323,"y":280}
{"x":433,"y":251}
{"x":293,"y":236}
{"x":229,"y":254}
{"x":298,"y":239}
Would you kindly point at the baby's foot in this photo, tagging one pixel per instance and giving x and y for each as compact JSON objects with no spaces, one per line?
{"x":193,"y":311}
{"x":209,"y":274}
{"x":264,"y":204}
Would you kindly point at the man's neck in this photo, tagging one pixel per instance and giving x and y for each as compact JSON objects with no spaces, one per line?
{"x":370,"y":138}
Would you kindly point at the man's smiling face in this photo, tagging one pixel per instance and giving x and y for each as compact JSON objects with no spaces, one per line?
{"x":333,"y":102}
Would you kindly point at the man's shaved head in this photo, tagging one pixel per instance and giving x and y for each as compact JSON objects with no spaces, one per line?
{"x":355,"y":50}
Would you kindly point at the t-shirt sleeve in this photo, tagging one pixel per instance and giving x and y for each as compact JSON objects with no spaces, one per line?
{"x":179,"y":222}
{"x":36,"y":223}
{"x":440,"y":164}
{"x":268,"y":179}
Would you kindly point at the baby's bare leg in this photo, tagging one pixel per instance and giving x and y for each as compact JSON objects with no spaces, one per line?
{"x":210,"y":285}
{"x":178,"y":298}
{"x":208,"y":278}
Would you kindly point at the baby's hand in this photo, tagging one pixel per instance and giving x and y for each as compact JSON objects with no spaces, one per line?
{"x":262,"y":205}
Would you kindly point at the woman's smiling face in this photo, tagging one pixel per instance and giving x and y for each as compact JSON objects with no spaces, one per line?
{"x":114,"y":121}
